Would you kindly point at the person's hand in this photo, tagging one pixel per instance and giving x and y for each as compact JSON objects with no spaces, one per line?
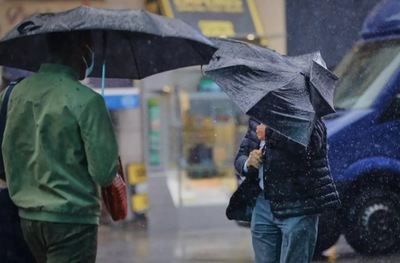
{"x":260,"y":131}
{"x":254,"y":159}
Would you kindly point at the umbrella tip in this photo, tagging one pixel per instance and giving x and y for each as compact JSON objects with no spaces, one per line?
{"x":203,"y":73}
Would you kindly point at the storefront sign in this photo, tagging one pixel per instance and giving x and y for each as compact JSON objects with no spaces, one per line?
{"x":233,"y":18}
{"x":154,"y":132}
{"x":121,"y":98}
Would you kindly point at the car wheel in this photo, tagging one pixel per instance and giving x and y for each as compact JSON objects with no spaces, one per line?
{"x":373,"y":222}
{"x":329,"y":231}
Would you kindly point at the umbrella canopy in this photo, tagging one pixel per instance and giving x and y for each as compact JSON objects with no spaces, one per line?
{"x":286,"y":93}
{"x":133,"y":43}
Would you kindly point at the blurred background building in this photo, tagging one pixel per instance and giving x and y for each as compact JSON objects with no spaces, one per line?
{"x":178,"y":125}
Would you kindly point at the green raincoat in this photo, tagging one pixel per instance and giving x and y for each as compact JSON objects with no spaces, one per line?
{"x":59,"y":147}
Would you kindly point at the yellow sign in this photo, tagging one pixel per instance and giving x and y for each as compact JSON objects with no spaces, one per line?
{"x":218,"y":6}
{"x":217,"y":28}
{"x":136,"y":173}
{"x":217,"y":18}
{"x":140,"y":203}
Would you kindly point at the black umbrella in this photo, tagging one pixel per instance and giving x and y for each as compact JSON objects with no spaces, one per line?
{"x":133,"y":43}
{"x":286,"y":93}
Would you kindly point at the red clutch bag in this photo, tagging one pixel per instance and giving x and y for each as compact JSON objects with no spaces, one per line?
{"x":115,"y":197}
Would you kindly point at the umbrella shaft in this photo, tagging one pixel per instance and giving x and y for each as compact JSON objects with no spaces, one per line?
{"x":103,"y":78}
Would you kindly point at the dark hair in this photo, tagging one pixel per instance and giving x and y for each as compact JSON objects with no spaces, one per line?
{"x":64,"y":45}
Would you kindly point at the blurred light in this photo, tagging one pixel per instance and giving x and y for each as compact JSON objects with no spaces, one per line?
{"x":167,"y":89}
{"x":223,"y":36}
{"x":251,"y":37}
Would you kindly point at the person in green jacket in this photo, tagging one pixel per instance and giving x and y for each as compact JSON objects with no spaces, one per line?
{"x":59,"y":147}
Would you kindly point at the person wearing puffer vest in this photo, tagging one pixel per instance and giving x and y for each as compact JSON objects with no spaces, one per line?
{"x":286,"y":186}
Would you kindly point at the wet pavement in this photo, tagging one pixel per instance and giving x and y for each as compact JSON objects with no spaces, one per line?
{"x":132,"y":243}
{"x":192,"y":234}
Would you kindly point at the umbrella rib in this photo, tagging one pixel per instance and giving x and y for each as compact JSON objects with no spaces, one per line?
{"x":190,"y":42}
{"x":132,"y":48}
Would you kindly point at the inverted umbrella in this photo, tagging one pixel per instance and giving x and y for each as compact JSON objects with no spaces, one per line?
{"x":133,"y":43}
{"x":286,"y":93}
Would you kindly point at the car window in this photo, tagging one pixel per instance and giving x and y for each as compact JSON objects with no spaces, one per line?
{"x":364,"y":72}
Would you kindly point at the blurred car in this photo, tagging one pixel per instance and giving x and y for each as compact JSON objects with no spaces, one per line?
{"x":364,"y":139}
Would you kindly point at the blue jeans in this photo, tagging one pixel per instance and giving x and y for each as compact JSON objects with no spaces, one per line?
{"x":289,"y":240}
